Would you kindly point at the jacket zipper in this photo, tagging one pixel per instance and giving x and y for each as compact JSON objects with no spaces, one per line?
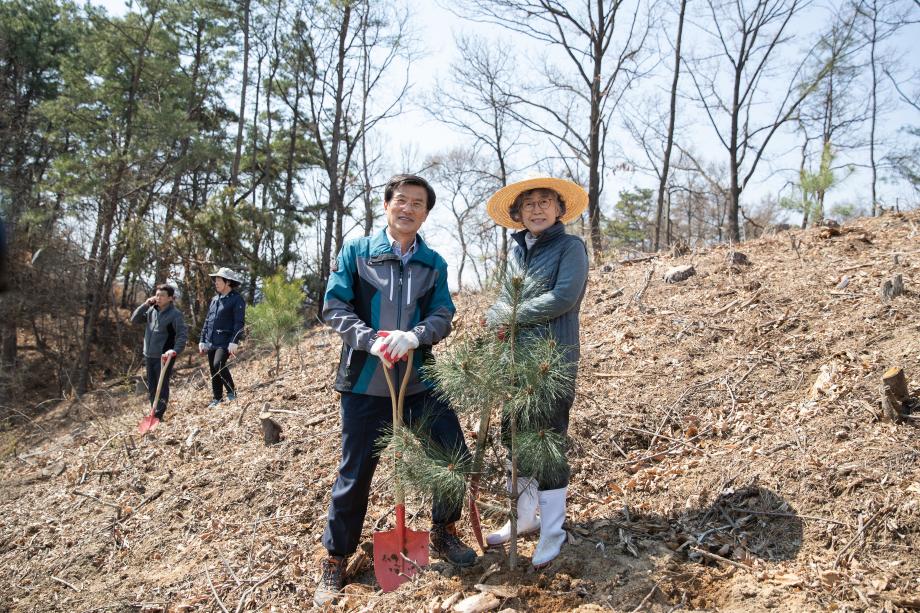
{"x":399,"y":308}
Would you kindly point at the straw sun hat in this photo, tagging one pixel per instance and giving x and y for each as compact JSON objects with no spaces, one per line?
{"x":499,"y":205}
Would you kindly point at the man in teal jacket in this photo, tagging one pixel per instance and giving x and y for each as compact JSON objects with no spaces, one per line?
{"x":387,"y":294}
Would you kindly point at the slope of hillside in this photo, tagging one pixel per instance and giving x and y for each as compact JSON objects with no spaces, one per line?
{"x":726,"y":445}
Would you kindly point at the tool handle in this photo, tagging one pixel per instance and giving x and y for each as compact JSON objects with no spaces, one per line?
{"x":398,"y":403}
{"x":156,"y":398}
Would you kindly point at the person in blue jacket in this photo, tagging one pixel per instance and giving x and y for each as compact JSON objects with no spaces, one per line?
{"x":222,"y":332}
{"x":387,"y":294}
{"x":539,"y":208}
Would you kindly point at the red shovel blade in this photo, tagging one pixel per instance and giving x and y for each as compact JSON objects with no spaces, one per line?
{"x":399,"y":554}
{"x":475,"y":522}
{"x":148,"y":423}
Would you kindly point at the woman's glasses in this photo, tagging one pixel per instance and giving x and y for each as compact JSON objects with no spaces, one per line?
{"x":543,"y":204}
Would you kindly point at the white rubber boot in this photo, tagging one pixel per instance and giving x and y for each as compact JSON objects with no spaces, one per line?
{"x":552,"y":536}
{"x":527,"y":506}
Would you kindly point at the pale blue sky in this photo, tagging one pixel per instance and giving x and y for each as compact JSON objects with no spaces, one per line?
{"x":434,"y":28}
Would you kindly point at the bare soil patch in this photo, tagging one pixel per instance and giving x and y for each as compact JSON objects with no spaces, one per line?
{"x":727,"y":455}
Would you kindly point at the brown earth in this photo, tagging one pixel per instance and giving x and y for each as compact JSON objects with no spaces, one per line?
{"x":727,"y":455}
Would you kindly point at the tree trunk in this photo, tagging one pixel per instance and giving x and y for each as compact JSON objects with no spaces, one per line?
{"x":335,"y":206}
{"x":666,"y":162}
{"x":235,"y":169}
{"x":874,"y":106}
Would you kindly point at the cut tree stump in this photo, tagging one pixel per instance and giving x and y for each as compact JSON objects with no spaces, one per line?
{"x":894,"y":394}
{"x":892,"y":287}
{"x":736,"y":258}
{"x":679,"y":273}
{"x":271,"y":430}
{"x":679,"y":249}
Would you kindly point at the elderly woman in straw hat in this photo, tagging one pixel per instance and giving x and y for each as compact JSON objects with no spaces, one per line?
{"x":539,"y":208}
{"x":222,"y":332}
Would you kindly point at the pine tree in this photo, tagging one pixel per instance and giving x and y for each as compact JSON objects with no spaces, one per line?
{"x":276,"y":320}
{"x":514,"y":370}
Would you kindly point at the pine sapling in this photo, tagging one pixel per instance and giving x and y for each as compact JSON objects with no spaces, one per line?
{"x":519,"y":371}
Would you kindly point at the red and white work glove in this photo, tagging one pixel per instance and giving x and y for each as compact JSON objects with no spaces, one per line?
{"x":393,"y":345}
{"x":233,"y":348}
{"x":202,"y":348}
{"x":399,"y":343}
{"x":379,"y":349}
{"x":169,"y":355}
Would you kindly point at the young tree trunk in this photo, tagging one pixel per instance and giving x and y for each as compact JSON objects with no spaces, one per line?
{"x":288,"y":205}
{"x":874,"y":106}
{"x":666,"y":161}
{"x":235,"y":168}
{"x":594,"y":140}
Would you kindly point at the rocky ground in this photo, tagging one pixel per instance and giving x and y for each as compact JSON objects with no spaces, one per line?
{"x":727,"y":447}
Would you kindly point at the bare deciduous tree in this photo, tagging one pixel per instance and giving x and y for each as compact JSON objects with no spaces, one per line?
{"x":477,"y":102}
{"x":465,"y":183}
{"x":672,"y":116}
{"x":881,"y":19}
{"x":350,"y":48}
{"x":747,"y":37}
{"x":604,"y":43}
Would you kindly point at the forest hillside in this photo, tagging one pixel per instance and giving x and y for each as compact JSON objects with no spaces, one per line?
{"x":729,"y":453}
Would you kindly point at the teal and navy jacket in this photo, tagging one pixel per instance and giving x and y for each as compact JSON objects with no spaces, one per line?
{"x":369,"y":290}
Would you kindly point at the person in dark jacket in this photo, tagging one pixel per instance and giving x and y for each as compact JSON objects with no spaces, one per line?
{"x":222,"y":332}
{"x":539,"y":208}
{"x":387,"y":294}
{"x":164,"y":339}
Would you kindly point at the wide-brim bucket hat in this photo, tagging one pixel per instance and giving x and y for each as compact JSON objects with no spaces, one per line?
{"x":227,"y":274}
{"x":499,"y":205}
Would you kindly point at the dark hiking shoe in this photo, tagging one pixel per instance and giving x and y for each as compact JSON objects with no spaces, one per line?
{"x":331,"y":584}
{"x":447,"y":546}
{"x":231,"y":396}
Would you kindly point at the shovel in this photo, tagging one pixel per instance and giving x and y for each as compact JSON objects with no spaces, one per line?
{"x":150,"y":422}
{"x":401,"y":553}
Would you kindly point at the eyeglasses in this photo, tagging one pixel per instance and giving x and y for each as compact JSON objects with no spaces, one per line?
{"x":543,"y":203}
{"x":405,"y":204}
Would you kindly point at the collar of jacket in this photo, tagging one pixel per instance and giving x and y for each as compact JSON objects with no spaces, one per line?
{"x":549,"y":234}
{"x":380,"y":246}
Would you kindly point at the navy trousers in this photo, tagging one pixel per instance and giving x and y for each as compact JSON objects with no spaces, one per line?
{"x":364,"y":419}
{"x":153,"y":377}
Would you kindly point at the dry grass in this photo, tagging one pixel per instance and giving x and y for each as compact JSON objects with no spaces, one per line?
{"x":710,"y":471}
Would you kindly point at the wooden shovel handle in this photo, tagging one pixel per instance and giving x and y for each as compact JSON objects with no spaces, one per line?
{"x":398,"y":403}
{"x":156,"y":398}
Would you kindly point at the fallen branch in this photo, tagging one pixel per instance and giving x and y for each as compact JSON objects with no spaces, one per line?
{"x":645,"y":600}
{"x":717,"y":558}
{"x":99,"y":500}
{"x":252,"y":588}
{"x":791,"y":516}
{"x":150,"y":498}
{"x":213,"y":591}
{"x":859,"y":534}
{"x":62,"y":582}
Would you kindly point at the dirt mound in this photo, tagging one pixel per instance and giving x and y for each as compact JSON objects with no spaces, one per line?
{"x":726,"y":444}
